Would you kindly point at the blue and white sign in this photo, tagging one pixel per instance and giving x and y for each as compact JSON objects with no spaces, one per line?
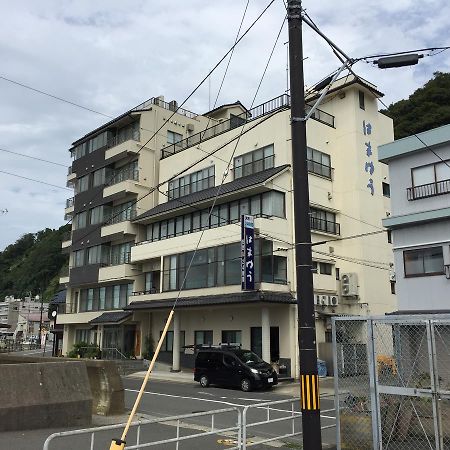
{"x":247,"y":253}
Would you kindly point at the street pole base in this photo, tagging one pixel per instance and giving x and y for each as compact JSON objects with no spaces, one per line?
{"x":117,"y":444}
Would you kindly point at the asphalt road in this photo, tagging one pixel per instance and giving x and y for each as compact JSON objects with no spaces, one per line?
{"x":164,"y":399}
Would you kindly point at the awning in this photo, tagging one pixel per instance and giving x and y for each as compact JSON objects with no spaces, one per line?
{"x":247,"y":298}
{"x":115,"y":317}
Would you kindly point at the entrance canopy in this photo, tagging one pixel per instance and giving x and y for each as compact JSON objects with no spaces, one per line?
{"x":111,"y":318}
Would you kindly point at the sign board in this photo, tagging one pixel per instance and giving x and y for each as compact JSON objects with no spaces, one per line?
{"x":247,"y":253}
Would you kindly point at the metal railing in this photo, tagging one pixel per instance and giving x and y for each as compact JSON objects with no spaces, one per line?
{"x":112,"y":353}
{"x":132,"y":135}
{"x":275,"y":104}
{"x":123,"y":216}
{"x":11,"y":345}
{"x":120,"y":258}
{"x":325,"y":225}
{"x":146,"y":292}
{"x":123,"y":175}
{"x":96,"y":438}
{"x":171,"y":106}
{"x":428,"y":190}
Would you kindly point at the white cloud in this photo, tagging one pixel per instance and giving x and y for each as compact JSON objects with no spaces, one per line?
{"x":110,"y":55}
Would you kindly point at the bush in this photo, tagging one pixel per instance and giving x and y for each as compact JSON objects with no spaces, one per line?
{"x":148,"y":348}
{"x":85,"y":350}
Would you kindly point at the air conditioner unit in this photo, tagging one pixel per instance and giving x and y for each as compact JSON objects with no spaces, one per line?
{"x":392,"y":276}
{"x":349,"y":285}
{"x":333,"y":300}
{"x":173,"y":105}
{"x":324,"y":300}
{"x":317,"y":299}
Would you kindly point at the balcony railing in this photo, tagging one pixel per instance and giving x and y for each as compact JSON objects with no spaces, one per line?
{"x":132,"y":135}
{"x":172,"y":106}
{"x":124,"y":175}
{"x":120,"y":258}
{"x":325,"y":225}
{"x":69,"y":202}
{"x":428,"y":190}
{"x":277,"y":103}
{"x":122,"y":216}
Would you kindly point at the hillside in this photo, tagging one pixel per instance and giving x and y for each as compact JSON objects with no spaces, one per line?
{"x":33,"y":264}
{"x":428,"y":107}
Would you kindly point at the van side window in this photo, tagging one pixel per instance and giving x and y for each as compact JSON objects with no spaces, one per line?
{"x":229,"y":360}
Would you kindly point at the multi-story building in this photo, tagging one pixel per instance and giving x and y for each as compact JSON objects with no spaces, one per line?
{"x":419,"y":167}
{"x":209,"y":170}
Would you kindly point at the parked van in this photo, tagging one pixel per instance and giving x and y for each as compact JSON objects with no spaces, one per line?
{"x":232,"y":366}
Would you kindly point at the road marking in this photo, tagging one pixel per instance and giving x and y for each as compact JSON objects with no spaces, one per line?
{"x":253,"y":399}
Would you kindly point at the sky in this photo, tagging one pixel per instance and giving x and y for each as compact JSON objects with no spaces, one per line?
{"x":111,"y":55}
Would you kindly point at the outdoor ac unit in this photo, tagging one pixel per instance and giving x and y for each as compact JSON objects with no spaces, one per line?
{"x":190,"y":127}
{"x":317,"y":299}
{"x":324,"y":300}
{"x":392,"y":276}
{"x":333,"y":300}
{"x":173,"y":105}
{"x":349,"y":285}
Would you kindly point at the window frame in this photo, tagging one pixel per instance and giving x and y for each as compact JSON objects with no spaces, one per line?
{"x":423,"y":274}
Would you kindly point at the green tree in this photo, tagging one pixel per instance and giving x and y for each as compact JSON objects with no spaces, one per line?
{"x":428,"y":107}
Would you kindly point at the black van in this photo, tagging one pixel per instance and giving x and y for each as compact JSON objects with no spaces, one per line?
{"x":233,"y":366}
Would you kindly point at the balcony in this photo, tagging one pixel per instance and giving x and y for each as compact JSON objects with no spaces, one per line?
{"x":122,"y":184}
{"x":71,"y":176}
{"x":119,"y":229}
{"x":66,"y":241}
{"x":120,"y":149}
{"x":276,"y":104}
{"x":428,"y":190}
{"x":123,"y":271}
{"x":68,"y":211}
{"x":325,"y":226}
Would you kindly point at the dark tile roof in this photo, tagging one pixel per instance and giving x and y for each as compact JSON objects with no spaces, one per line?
{"x":224,"y":299}
{"x":59,"y":297}
{"x":111,"y":317}
{"x":209,"y":194}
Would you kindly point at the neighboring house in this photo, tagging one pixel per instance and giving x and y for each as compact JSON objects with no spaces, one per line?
{"x":12,"y":307}
{"x":128,"y":260}
{"x":28,"y":324}
{"x":419,"y":170}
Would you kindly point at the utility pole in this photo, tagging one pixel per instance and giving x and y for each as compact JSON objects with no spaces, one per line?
{"x":309,"y":384}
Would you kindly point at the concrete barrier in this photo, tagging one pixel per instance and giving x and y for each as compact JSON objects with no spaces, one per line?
{"x":43,"y":395}
{"x":103,"y":378}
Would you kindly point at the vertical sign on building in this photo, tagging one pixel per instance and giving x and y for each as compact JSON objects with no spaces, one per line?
{"x":247,"y":253}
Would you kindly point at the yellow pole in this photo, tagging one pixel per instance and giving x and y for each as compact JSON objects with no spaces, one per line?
{"x":119,"y":444}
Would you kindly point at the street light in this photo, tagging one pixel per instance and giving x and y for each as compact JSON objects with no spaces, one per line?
{"x":389,"y":62}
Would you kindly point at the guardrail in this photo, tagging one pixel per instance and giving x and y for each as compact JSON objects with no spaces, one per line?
{"x":93,"y":433}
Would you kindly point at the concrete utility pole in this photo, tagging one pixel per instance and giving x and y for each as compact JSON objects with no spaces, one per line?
{"x":309,"y":383}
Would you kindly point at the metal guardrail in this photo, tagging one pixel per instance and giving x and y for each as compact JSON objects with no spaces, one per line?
{"x":112,"y":353}
{"x":171,"y":106}
{"x":11,"y":346}
{"x":93,"y":433}
{"x":132,"y":135}
{"x":325,"y":225}
{"x":428,"y":190}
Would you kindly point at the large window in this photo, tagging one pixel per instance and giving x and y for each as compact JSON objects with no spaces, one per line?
{"x":80,"y":220}
{"x":203,"y":337}
{"x":78,"y":258}
{"x":98,"y":254}
{"x":325,"y":221}
{"x":423,"y":262}
{"x":91,"y":145}
{"x":232,"y":336}
{"x":121,"y":253}
{"x":99,"y":214}
{"x":193,"y":182}
{"x":102,"y":176}
{"x":82,"y":184}
{"x":105,"y":298}
{"x":220,"y":266}
{"x":122,"y":212}
{"x":128,"y":172}
{"x":254,"y":162}
{"x":430,"y":180}
{"x":268,"y":204}
{"x":319,"y":162}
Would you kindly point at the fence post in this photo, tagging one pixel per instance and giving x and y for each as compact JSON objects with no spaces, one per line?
{"x":374,"y":403}
{"x":244,"y":428}
{"x":336,"y":383}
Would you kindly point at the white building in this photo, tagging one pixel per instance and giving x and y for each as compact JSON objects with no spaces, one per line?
{"x":419,"y":170}
{"x":125,"y":273}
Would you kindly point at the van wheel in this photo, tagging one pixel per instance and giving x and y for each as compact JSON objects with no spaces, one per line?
{"x":204,"y":381}
{"x":246,"y":385}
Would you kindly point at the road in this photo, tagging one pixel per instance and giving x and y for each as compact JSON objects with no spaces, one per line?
{"x":164,"y":399}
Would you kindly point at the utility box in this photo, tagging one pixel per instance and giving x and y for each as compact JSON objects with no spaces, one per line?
{"x":349,"y":285}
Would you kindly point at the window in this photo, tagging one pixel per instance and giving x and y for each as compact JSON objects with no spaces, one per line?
{"x":167,"y":345}
{"x":361,"y":100}
{"x":78,"y":258}
{"x":325,"y":221}
{"x":80,"y":220}
{"x":203,"y":337}
{"x":423,"y":262}
{"x":98,"y":214}
{"x":120,"y":254}
{"x":386,"y":189}
{"x":91,"y":145}
{"x":338,"y":275}
{"x":193,"y":182}
{"x":314,"y":267}
{"x":389,"y":236}
{"x":232,"y":336}
{"x":430,"y":180}
{"x":392,"y":283}
{"x":152,"y":282}
{"x":82,"y":184}
{"x":128,"y":172}
{"x":319,"y":162}
{"x":83,"y":335}
{"x":254,"y":162}
{"x":102,"y":176}
{"x":326,"y":269}
{"x":128,"y":132}
{"x":97,"y":254}
{"x":173,"y":138}
{"x":122,"y":212}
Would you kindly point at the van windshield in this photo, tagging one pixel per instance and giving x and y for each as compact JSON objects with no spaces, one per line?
{"x":248,"y":357}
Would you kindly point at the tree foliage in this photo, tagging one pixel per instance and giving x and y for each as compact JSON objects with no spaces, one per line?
{"x":33,"y":264}
{"x":428,"y":107}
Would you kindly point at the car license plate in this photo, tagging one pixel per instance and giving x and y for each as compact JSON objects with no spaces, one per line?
{"x":270,"y":380}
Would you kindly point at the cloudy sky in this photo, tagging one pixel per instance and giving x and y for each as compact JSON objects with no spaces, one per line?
{"x":110,"y":55}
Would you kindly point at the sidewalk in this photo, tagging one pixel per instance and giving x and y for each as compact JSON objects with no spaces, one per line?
{"x":291,"y":388}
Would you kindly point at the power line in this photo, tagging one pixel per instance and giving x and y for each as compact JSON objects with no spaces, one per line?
{"x":32,"y":179}
{"x":33,"y":157}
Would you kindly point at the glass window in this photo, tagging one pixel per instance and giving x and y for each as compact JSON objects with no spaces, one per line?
{"x":194,"y":182}
{"x":90,"y":299}
{"x":255,"y":205}
{"x":173,"y":137}
{"x":361,"y":100}
{"x":102,"y":298}
{"x":205,"y":219}
{"x":233,"y":263}
{"x":319,"y":162}
{"x":96,"y":215}
{"x":214,"y":219}
{"x":171,"y":228}
{"x":155,"y":231}
{"x":82,"y":184}
{"x":442,"y":171}
{"x":81,"y":220}
{"x":254,"y":162}
{"x":187,"y":223}
{"x":203,"y":337}
{"x":179,"y":226}
{"x":223,"y":212}
{"x":164,"y":229}
{"x":423,"y":175}
{"x":234,"y":212}
{"x":116,"y":297}
{"x":386,"y":189}
{"x":78,"y":258}
{"x":196,"y":221}
{"x":232,"y":336}
{"x":326,"y":269}
{"x":424,"y":261}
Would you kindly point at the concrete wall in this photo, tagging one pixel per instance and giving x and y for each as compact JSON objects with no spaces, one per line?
{"x":43,"y":395}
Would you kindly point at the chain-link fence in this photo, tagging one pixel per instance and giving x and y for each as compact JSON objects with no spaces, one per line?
{"x":392,"y":378}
